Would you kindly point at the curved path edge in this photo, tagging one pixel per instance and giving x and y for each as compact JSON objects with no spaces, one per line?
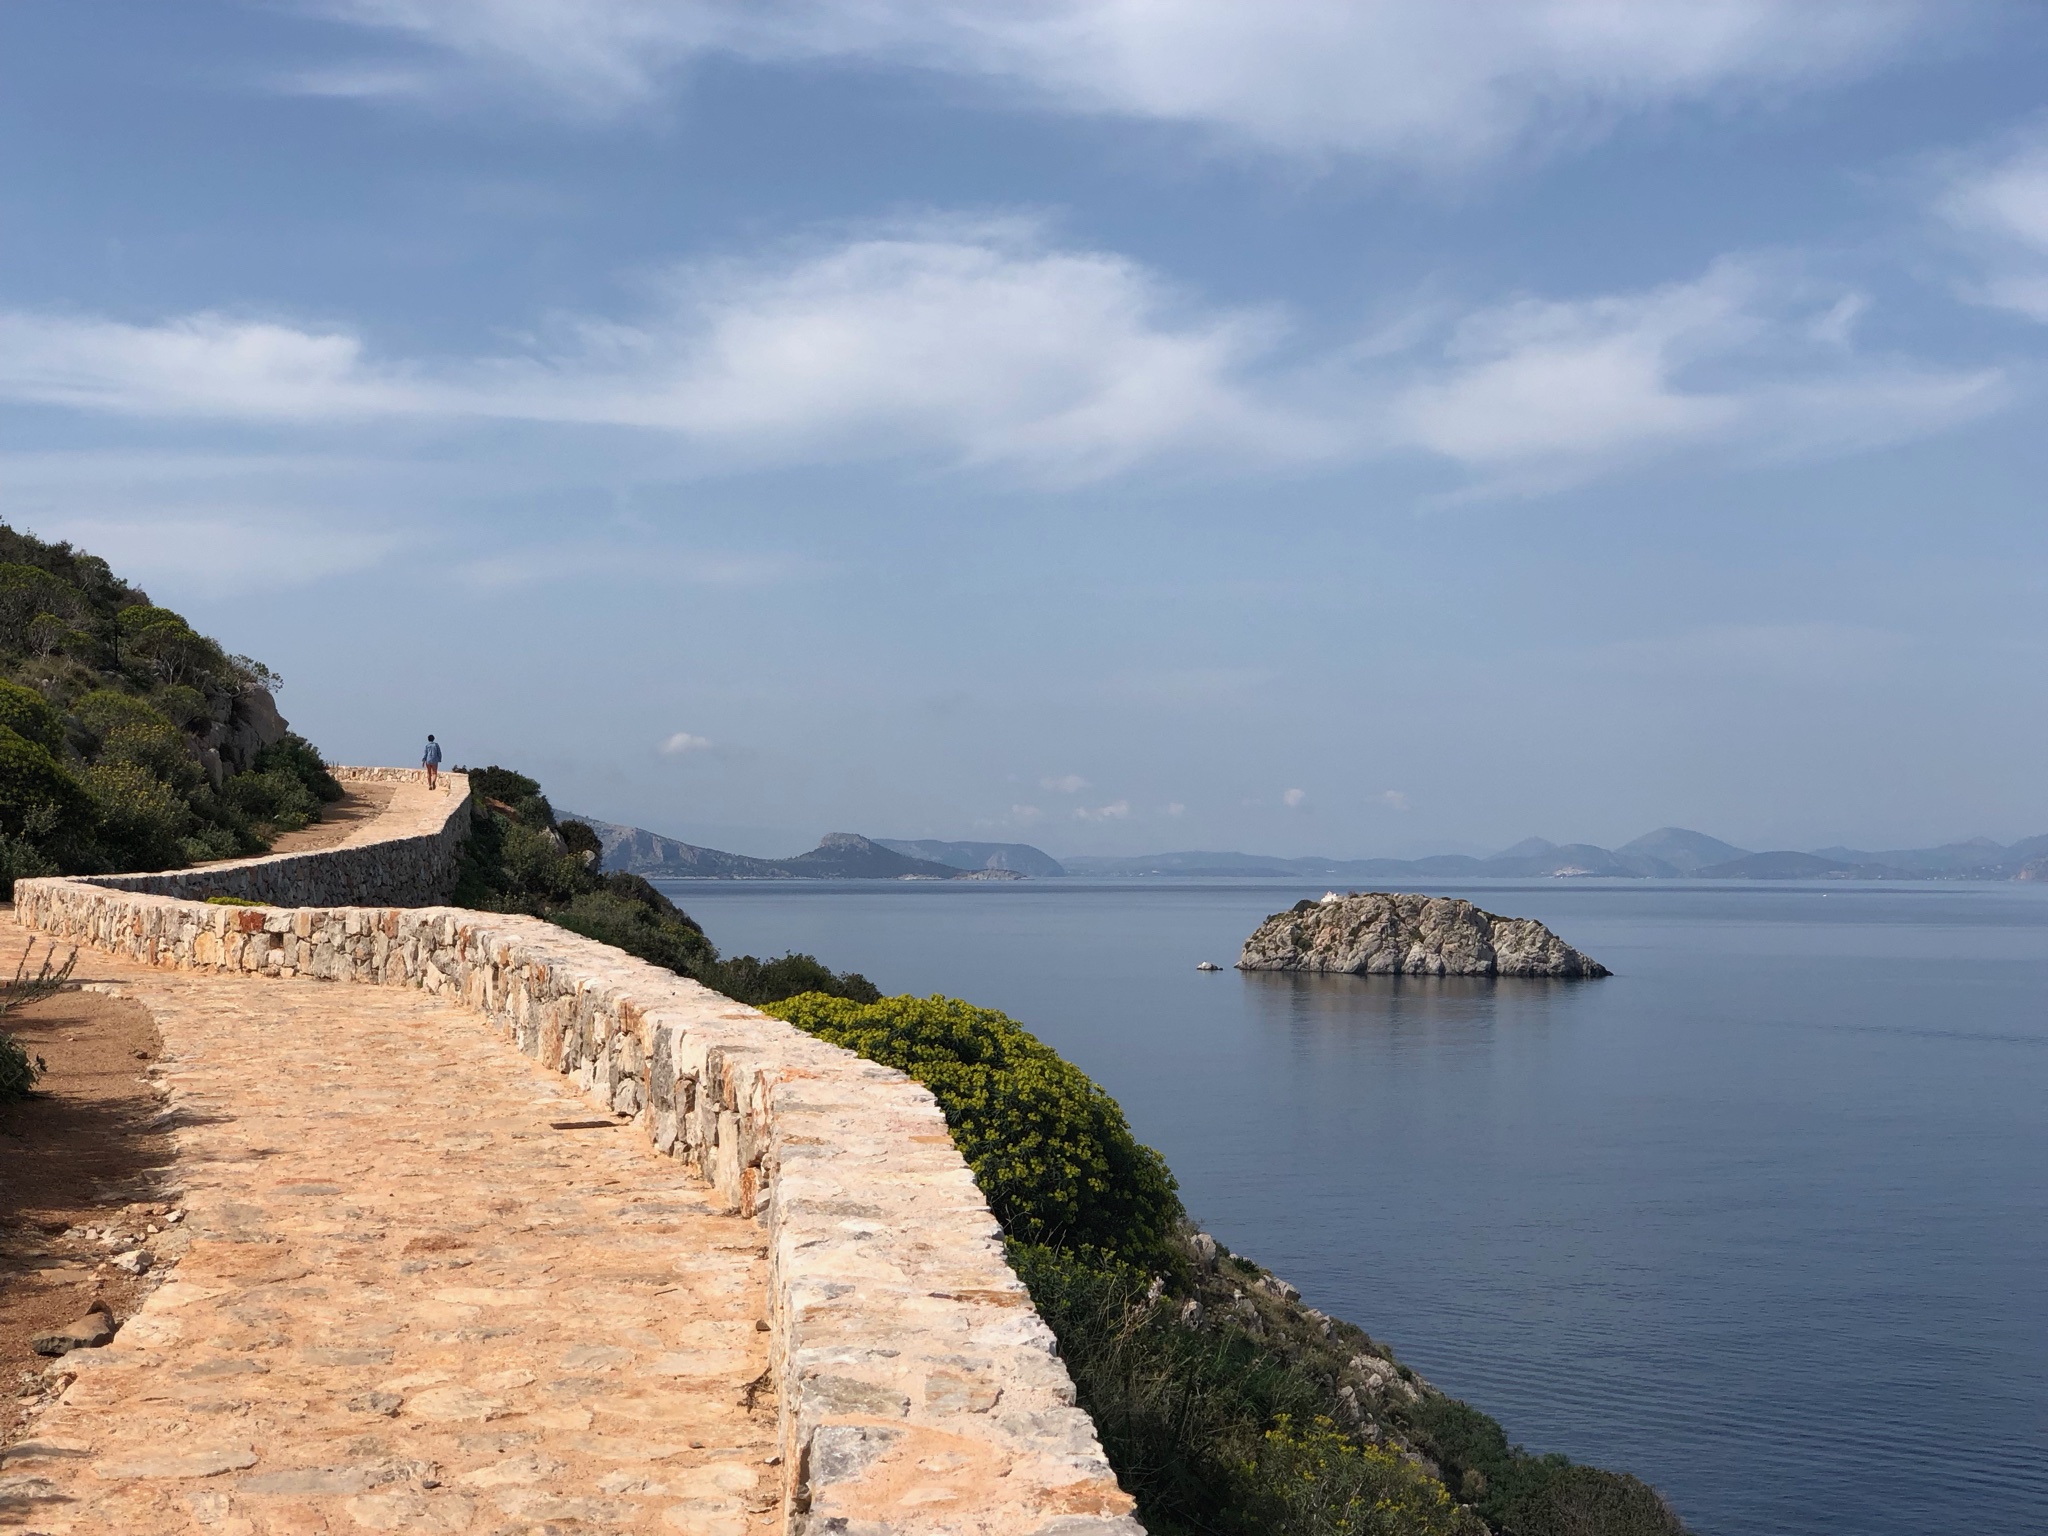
{"x":920,"y":1392}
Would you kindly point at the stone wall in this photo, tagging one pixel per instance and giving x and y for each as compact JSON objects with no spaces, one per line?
{"x":412,"y":862}
{"x":919,"y":1391}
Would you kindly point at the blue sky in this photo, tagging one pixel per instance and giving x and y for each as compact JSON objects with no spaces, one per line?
{"x":1352,"y":428}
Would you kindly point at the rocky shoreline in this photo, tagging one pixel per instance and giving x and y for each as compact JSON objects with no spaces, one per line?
{"x":1387,"y":933}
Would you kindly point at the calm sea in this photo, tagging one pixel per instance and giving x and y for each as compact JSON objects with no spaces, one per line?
{"x":1763,"y":1218}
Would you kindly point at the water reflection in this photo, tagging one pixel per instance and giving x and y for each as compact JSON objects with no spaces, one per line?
{"x":1391,"y":1004}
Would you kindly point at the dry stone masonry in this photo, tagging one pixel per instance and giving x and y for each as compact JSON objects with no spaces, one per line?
{"x":919,"y":1391}
{"x":407,"y":857}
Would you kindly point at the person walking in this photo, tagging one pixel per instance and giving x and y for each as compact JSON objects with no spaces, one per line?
{"x":431,"y":760}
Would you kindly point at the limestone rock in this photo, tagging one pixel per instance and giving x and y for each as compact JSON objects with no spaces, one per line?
{"x":89,"y":1332}
{"x":1382,"y":933}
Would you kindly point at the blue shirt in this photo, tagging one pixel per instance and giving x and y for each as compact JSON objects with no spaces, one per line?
{"x":432,"y":754}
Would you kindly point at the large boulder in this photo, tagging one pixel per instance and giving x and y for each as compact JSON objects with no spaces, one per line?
{"x":253,"y":724}
{"x":1385,"y":933}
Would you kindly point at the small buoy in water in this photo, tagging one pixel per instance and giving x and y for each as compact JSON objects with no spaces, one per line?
{"x":1208,"y":965}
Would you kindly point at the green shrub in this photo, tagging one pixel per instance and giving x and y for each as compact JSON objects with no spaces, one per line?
{"x":1186,"y":1414}
{"x":638,"y":929}
{"x":233,"y":901}
{"x":36,"y":794}
{"x":1534,"y":1495}
{"x":538,"y":867}
{"x":105,"y":710}
{"x":21,"y":859}
{"x":298,"y":757}
{"x":183,"y":706}
{"x":18,"y":1069}
{"x":746,"y":979}
{"x":278,"y":799}
{"x":1314,"y":1480}
{"x":29,"y":714}
{"x":520,"y":795}
{"x":1179,"y":1411}
{"x":158,"y":747}
{"x":49,"y":635}
{"x":139,"y":819}
{"x":25,"y":593}
{"x":1585,"y":1501}
{"x":208,"y":843}
{"x":1051,"y":1151}
{"x":580,"y":838}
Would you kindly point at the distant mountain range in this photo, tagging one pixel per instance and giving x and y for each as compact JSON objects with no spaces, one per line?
{"x":838,"y":856}
{"x":1669,"y":853}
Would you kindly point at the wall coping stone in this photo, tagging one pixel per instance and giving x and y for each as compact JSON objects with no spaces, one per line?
{"x":919,"y":1392}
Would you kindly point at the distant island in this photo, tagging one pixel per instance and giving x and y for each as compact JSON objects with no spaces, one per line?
{"x":1669,"y":853}
{"x":838,"y":856}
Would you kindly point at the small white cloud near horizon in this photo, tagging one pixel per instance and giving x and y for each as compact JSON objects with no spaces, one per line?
{"x":1439,"y":85}
{"x":1175,"y":809}
{"x":1294,"y":799}
{"x":1065,"y":784}
{"x":683,"y":743}
{"x":1116,"y":810}
{"x":1394,"y":799}
{"x":1997,"y":202}
{"x":1025,"y":813}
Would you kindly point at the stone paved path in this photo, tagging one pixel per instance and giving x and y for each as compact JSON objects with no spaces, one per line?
{"x":401,"y":1299}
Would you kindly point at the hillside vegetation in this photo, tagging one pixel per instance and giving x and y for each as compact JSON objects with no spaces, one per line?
{"x":520,"y":858}
{"x":127,"y":739}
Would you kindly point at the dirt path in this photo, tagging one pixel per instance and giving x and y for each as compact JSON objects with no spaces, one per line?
{"x":415,"y":1289}
{"x":78,"y":1166}
{"x":340,"y":821}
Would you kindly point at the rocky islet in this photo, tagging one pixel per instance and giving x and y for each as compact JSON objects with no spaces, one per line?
{"x":1387,"y":933}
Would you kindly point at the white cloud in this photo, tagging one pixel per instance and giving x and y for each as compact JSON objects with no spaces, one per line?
{"x":1294,"y":799}
{"x":1429,"y":82}
{"x":1065,"y":784}
{"x":1176,"y":809}
{"x":1025,"y":813}
{"x":972,"y":342}
{"x":195,"y":365}
{"x":1998,"y":203}
{"x":682,"y":743}
{"x":1394,"y":799}
{"x":979,"y":345}
{"x":1116,"y":810}
{"x":1539,"y":393}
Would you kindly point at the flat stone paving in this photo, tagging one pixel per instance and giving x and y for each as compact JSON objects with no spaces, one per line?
{"x":402,"y":1299}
